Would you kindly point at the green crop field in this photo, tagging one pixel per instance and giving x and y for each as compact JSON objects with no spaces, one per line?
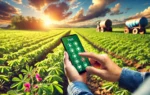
{"x":36,"y":57}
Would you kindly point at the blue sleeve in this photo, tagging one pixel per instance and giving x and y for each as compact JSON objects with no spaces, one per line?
{"x":144,"y":89}
{"x":78,"y":88}
{"x":131,"y":80}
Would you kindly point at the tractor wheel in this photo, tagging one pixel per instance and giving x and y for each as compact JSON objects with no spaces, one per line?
{"x":102,"y":29}
{"x":142,"y":31}
{"x":126,"y":30}
{"x":135,"y":31}
{"x":110,"y":30}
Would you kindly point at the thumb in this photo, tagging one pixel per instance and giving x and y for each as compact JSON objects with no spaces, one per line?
{"x":67,"y":62}
{"x":94,"y":71}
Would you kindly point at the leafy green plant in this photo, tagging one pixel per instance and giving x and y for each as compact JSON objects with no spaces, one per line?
{"x":42,"y":79}
{"x":19,"y":82}
{"x":147,"y":67}
{"x":2,"y":82}
{"x":13,"y":92}
{"x":110,"y":86}
{"x":4,"y":69}
{"x":118,"y":62}
{"x":122,"y":92}
{"x":2,"y":61}
{"x":33,"y":83}
{"x":4,"y":77}
{"x":27,"y":71}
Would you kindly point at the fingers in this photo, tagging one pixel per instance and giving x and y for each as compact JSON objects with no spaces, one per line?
{"x":70,"y":70}
{"x":66,"y":59}
{"x":94,"y":71}
{"x":89,"y":55}
{"x":92,"y":61}
{"x":95,"y":63}
{"x":101,"y":58}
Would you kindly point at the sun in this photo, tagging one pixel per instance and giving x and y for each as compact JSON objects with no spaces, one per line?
{"x":47,"y":21}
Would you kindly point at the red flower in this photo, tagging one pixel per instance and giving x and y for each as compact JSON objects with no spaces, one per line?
{"x":38,"y":78}
{"x":27,"y":87}
{"x":35,"y":86}
{"x":27,"y":90}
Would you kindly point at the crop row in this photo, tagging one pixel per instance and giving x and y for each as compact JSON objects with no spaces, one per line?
{"x":10,"y":37}
{"x":29,"y":58}
{"x":26,"y":66}
{"x":25,"y":50}
{"x":50,"y":70}
{"x":24,"y":41}
{"x":131,"y":47}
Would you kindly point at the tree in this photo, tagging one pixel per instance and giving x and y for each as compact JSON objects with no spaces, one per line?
{"x":31,"y":23}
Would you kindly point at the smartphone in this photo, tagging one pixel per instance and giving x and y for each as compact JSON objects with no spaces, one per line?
{"x":73,"y":47}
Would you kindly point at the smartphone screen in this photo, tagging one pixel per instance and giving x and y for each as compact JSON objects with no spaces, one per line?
{"x":73,"y":46}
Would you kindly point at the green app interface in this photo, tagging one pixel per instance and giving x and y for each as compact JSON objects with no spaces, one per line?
{"x":73,"y":46}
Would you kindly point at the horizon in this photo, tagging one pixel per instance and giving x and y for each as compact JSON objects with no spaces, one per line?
{"x":74,"y":13}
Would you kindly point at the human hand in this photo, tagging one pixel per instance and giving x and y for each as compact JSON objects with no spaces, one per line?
{"x":108,"y":69}
{"x":71,"y":71}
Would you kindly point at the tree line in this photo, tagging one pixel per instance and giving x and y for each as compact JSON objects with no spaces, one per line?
{"x":27,"y":23}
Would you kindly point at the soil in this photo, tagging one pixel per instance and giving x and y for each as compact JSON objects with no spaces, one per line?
{"x":95,"y":85}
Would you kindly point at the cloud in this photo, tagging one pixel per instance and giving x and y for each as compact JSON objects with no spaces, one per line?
{"x":6,"y":11}
{"x":75,"y":5}
{"x":58,"y":11}
{"x":79,"y":14}
{"x":18,"y":1}
{"x":145,"y":13}
{"x":40,"y":4}
{"x":71,"y":1}
{"x":116,"y":10}
{"x":97,"y":9}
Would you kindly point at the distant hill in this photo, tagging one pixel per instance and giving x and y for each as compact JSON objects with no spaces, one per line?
{"x":118,"y":26}
{"x":148,"y":26}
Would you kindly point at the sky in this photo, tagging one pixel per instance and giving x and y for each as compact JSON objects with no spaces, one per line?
{"x":75,"y":12}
